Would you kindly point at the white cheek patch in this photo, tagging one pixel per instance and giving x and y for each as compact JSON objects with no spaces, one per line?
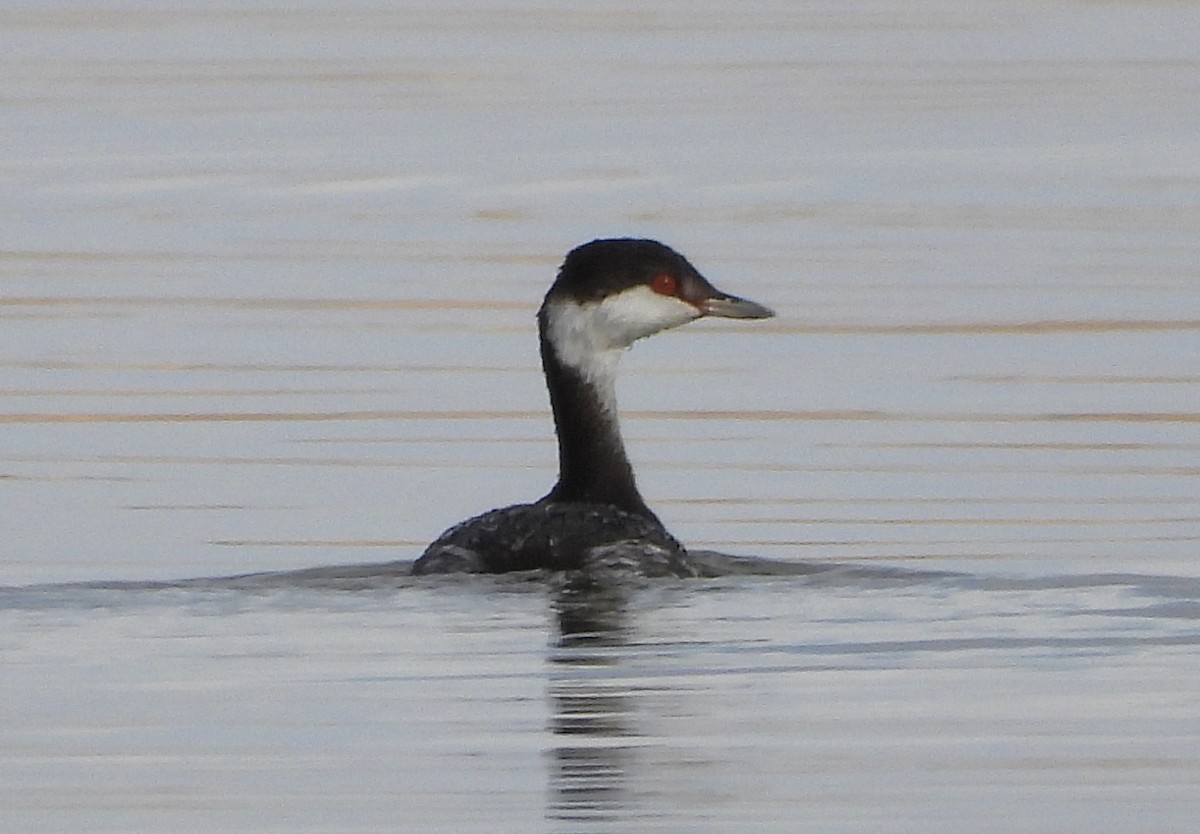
{"x":590,"y":337}
{"x":639,"y":312}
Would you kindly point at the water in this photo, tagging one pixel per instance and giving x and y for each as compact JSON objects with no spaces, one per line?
{"x":266,"y":290}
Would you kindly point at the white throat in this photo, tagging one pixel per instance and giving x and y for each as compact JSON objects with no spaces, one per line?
{"x":590,"y":337}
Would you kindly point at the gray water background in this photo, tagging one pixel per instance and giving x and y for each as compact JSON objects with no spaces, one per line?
{"x":267,"y":278}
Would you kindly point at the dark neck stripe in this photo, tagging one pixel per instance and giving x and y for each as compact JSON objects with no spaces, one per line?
{"x":592,"y":464}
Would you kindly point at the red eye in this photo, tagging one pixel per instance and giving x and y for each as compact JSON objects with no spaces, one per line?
{"x":665,"y":283}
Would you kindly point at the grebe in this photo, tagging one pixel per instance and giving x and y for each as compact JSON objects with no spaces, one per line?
{"x":608,"y":294}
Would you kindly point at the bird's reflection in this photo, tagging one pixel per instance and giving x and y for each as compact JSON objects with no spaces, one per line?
{"x":591,"y":705}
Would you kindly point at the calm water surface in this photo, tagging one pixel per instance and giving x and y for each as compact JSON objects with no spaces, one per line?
{"x":267,"y":280}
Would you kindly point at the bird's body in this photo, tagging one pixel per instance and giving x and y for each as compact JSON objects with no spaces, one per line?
{"x":608,"y":294}
{"x":554,"y":536}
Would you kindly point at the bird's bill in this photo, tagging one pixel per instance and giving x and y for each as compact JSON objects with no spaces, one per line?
{"x":732,"y":307}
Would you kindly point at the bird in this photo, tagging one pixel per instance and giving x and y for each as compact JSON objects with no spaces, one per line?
{"x":608,"y":294}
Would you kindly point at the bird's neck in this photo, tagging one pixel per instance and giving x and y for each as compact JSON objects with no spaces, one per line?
{"x":592,"y":464}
